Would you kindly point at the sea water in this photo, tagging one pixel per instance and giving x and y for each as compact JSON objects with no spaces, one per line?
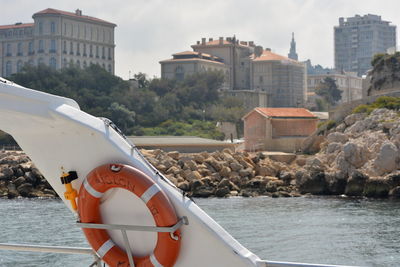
{"x":315,"y":230}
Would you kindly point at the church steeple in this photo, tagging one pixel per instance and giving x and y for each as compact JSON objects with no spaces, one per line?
{"x":292,"y":54}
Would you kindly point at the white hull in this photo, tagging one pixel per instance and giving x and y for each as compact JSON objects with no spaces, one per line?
{"x":56,"y":134}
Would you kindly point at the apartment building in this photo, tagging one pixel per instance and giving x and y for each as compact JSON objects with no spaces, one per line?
{"x":358,"y":39}
{"x":57,"y":38}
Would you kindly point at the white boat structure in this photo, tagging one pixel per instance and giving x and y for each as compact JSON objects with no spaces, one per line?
{"x":131,"y":214}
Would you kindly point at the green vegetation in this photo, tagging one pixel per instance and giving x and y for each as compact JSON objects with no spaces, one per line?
{"x":157,"y":107}
{"x":326,"y":125}
{"x":329,"y":91}
{"x":388,"y":102}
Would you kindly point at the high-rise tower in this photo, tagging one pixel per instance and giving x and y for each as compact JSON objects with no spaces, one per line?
{"x":358,"y":39}
{"x":292,"y":54}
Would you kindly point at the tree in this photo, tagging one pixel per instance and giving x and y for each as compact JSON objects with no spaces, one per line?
{"x":329,"y":91}
{"x":142,"y":80}
{"x":121,"y":116}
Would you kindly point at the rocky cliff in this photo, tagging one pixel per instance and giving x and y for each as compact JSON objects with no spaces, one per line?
{"x":360,"y":157}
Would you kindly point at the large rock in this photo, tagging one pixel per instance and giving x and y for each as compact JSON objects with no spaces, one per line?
{"x":337,"y":138}
{"x":313,"y":183}
{"x":334,"y":147}
{"x":25,"y":189}
{"x":266,"y":171}
{"x":355,"y":154}
{"x":336,"y":183}
{"x":246,"y":172}
{"x":356,"y":183}
{"x":214,"y":163}
{"x":376,"y":187}
{"x":312,"y":144}
{"x":351,"y":119}
{"x":222,"y":192}
{"x":174,"y":154}
{"x":387,"y":158}
{"x":203,"y":191}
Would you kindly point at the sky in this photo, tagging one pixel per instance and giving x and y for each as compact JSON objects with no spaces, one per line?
{"x":149,"y":31}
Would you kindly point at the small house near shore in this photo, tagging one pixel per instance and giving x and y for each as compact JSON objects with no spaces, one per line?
{"x":277,"y":129}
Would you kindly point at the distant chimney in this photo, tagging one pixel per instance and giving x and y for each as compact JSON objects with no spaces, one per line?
{"x":251,"y":43}
{"x":258,"y":51}
{"x":203,"y":41}
{"x":268,"y":49}
{"x":78,"y":12}
{"x":221,"y":40}
{"x":198,"y":42}
{"x":210,"y":39}
{"x":229,"y":39}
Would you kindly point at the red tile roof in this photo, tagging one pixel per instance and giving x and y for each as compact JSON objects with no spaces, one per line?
{"x":16,"y":26}
{"x":187,"y":53}
{"x":71,"y":14}
{"x":191,"y":59}
{"x":269,"y":56}
{"x":285,"y":112}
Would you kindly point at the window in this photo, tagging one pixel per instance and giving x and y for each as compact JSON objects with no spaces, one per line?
{"x":109,"y":68}
{"x":71,"y":48}
{"x":8,"y":68}
{"x":41,"y":46}
{"x":8,"y":50}
{"x":19,"y":65}
{"x":84,"y":64}
{"x":53,"y":27}
{"x":53,"y":63}
{"x":91,"y":51}
{"x":84,"y":50}
{"x":103,"y":53}
{"x":179,"y":73}
{"x":53,"y":46}
{"x":19,"y":49}
{"x":78,"y":63}
{"x":65,"y":47}
{"x":30,"y":48}
{"x":78,"y":49}
{"x":97,"y":51}
{"x":65,"y":63}
{"x":40,"y":27}
{"x":109,"y":53}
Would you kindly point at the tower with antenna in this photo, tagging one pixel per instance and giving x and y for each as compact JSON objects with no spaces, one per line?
{"x":292,"y":53}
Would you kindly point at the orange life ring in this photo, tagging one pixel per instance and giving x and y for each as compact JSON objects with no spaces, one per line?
{"x":110,"y":176}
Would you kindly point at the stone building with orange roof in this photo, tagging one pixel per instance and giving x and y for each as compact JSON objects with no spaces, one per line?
{"x":277,"y":129}
{"x":258,"y":76}
{"x":57,"y":38}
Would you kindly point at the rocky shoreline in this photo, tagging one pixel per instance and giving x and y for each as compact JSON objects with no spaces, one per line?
{"x":359,"y":157}
{"x":20,"y":178}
